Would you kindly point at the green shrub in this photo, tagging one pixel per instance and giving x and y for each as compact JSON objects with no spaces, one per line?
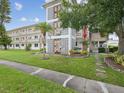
{"x":71,"y":52}
{"x":119,"y":58}
{"x":84,"y":52}
{"x":43,"y":49}
{"x":101,"y":50}
{"x":81,"y":52}
{"x":77,"y":50}
{"x":122,"y":60}
{"x":113,"y":49}
{"x":28,"y":47}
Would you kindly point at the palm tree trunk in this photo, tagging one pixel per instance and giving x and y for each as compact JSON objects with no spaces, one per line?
{"x":43,"y":42}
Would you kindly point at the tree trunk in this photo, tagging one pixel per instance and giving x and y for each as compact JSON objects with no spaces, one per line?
{"x":85,"y":45}
{"x":5,"y":47}
{"x":120,"y":33}
{"x":44,"y":56}
{"x":121,"y":45}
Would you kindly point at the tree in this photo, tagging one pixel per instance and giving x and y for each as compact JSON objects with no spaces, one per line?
{"x":109,"y":17}
{"x":4,"y":38}
{"x":71,"y":16}
{"x":4,"y":11}
{"x":101,"y":15}
{"x":44,"y":27}
{"x":4,"y":18}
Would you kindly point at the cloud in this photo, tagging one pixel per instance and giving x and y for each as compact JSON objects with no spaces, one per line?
{"x":18,"y":6}
{"x":41,"y":7}
{"x":23,"y":19}
{"x":36,"y":20}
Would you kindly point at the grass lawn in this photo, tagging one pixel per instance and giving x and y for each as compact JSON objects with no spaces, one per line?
{"x":84,"y":67}
{"x":12,"y":81}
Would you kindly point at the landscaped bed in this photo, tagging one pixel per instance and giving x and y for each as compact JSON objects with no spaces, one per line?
{"x":111,"y":63}
{"x":84,"y":67}
{"x":12,"y":81}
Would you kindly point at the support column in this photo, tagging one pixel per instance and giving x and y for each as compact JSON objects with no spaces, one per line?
{"x":98,"y":44}
{"x":69,"y":39}
{"x":46,"y":42}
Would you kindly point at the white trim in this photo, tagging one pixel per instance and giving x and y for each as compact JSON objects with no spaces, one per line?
{"x":46,"y":14}
{"x":67,"y":80}
{"x":57,"y":37}
{"x":102,"y":85}
{"x":52,"y":20}
{"x":54,"y":5}
{"x":69,"y":39}
{"x":36,"y":72}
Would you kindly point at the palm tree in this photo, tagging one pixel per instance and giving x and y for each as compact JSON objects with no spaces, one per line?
{"x":44,"y":27}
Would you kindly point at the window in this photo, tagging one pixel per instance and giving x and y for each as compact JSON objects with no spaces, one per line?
{"x":22,"y":45}
{"x":56,"y":15}
{"x":10,"y":45}
{"x":56,"y":10}
{"x":57,"y":24}
{"x":35,"y":45}
{"x":17,"y":38}
{"x":23,"y":38}
{"x":36,"y":37}
{"x":76,"y":43}
{"x":17,"y":45}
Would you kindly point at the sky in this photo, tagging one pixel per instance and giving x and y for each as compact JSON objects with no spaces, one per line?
{"x":26,"y":12}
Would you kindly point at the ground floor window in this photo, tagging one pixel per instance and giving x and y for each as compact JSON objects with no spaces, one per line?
{"x":17,"y":45}
{"x":35,"y":45}
{"x":10,"y":45}
{"x":22,"y":45}
{"x":76,"y":43}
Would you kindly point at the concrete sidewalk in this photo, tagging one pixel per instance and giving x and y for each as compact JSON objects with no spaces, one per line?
{"x":79,"y":84}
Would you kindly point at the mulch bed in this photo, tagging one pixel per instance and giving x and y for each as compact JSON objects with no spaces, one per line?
{"x":111,"y":63}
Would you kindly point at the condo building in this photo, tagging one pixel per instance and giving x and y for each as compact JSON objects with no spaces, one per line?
{"x":60,"y":40}
{"x":22,"y":37}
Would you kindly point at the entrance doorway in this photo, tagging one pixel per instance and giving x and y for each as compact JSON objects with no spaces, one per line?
{"x":57,"y":46}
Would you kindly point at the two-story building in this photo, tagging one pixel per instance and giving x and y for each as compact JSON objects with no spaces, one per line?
{"x":23,"y":36}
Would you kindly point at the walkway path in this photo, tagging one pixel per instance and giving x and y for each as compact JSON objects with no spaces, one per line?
{"x":100,"y":72}
{"x":79,"y":84}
